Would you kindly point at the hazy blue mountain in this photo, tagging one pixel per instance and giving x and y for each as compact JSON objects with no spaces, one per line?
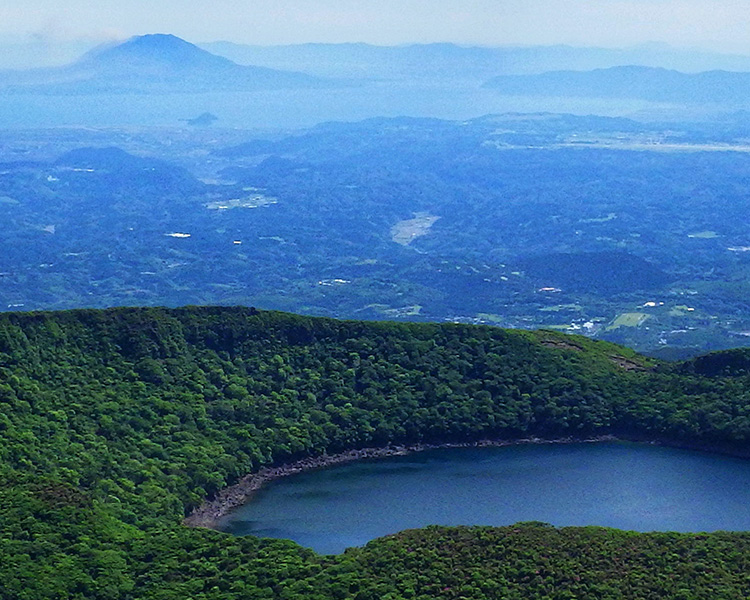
{"x":114,"y":163}
{"x":203,"y":120}
{"x":604,"y":272}
{"x":645,"y":83}
{"x":365,"y":61}
{"x":153,"y":63}
{"x":430,"y":61}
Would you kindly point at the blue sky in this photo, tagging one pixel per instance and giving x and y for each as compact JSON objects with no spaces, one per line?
{"x":710,"y":24}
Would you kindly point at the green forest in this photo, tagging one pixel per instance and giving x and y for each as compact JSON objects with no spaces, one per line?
{"x":115,"y":424}
{"x":630,"y":232}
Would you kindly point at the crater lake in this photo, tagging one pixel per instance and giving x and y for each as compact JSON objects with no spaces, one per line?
{"x":630,"y":486}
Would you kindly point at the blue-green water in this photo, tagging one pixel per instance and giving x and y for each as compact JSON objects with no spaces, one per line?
{"x":287,"y":108}
{"x":628,"y":486}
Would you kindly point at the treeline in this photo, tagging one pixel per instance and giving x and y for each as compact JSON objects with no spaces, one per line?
{"x":115,"y":424}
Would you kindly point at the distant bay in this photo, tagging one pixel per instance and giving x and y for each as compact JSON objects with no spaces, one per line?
{"x":616,"y":484}
{"x":286,"y":108}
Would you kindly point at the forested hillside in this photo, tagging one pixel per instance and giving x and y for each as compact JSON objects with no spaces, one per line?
{"x":623,"y":231}
{"x":115,"y":424}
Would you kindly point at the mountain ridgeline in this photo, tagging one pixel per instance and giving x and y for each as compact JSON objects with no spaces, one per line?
{"x":155,"y":63}
{"x":451,"y":61}
{"x":644,"y":83}
{"x":115,"y":424}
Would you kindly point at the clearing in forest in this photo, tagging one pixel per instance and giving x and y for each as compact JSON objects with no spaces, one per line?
{"x":630,"y":319}
{"x":405,"y":232}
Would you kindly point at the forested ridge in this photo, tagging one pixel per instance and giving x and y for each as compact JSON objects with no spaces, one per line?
{"x":114,"y":424}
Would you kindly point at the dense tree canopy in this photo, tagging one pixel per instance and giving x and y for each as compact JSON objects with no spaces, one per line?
{"x":115,"y":424}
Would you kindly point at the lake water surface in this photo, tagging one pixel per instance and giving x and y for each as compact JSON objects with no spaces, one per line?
{"x":628,"y":486}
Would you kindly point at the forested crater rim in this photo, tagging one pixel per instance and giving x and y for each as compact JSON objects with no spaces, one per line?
{"x":414,"y":386}
{"x":116,"y":424}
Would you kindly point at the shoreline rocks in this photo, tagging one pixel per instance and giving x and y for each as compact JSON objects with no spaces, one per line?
{"x":210,"y":513}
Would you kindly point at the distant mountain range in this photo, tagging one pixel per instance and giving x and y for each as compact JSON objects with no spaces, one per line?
{"x":425,"y":80}
{"x":156,"y":63}
{"x":451,"y":61}
{"x":645,"y":83}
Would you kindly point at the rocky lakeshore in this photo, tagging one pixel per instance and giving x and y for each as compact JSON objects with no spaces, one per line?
{"x":211,"y":512}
